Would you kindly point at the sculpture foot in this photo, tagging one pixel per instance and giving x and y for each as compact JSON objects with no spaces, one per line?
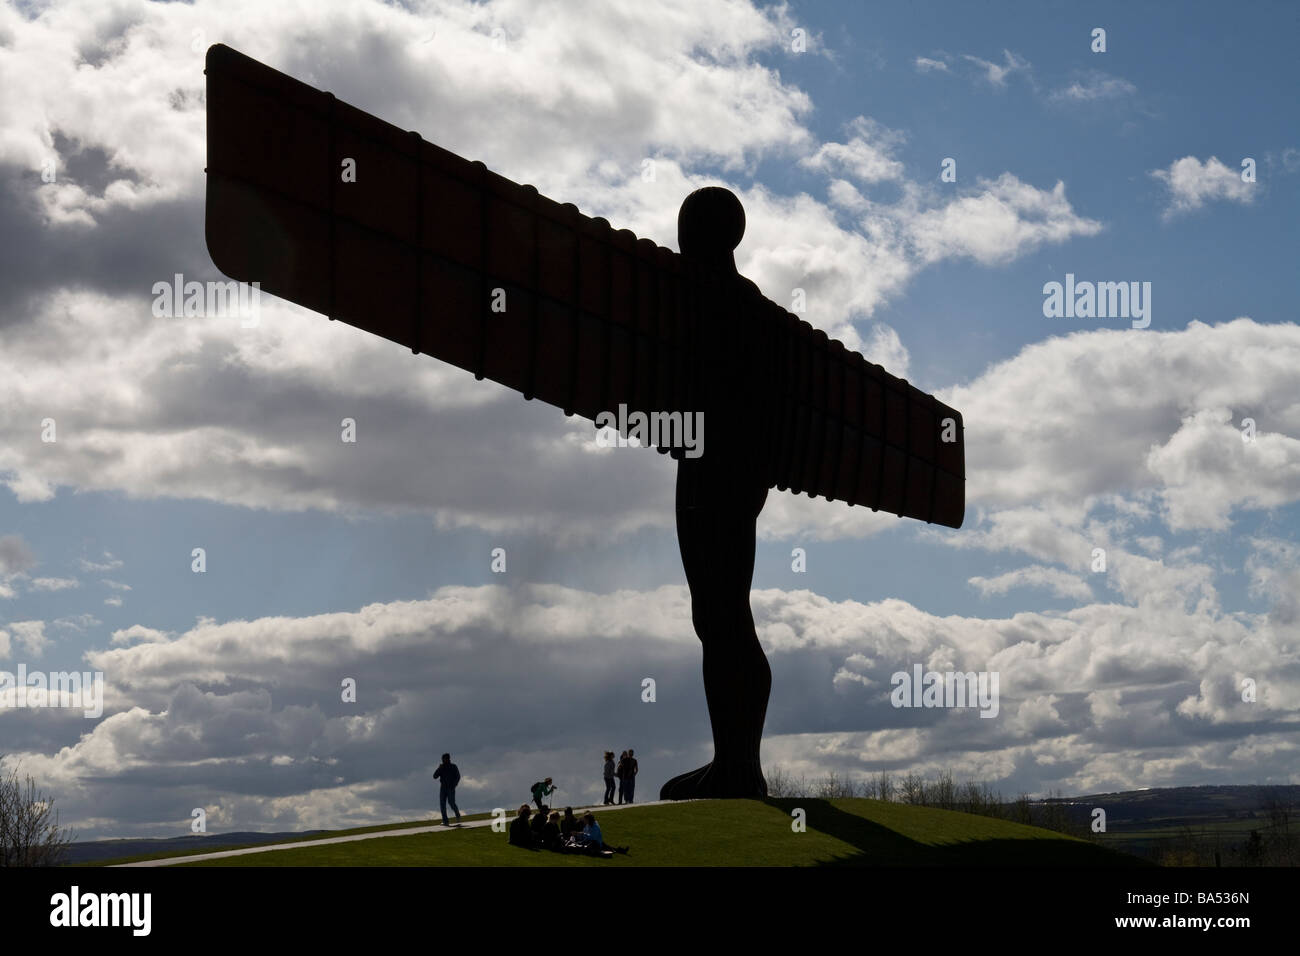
{"x":717,"y":781}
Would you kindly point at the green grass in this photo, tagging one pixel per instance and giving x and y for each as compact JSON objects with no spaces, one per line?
{"x":737,"y":832}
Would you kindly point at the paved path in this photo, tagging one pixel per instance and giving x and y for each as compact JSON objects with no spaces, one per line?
{"x":352,"y":838}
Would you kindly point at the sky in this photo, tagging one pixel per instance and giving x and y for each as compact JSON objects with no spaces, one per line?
{"x":1171,"y":157}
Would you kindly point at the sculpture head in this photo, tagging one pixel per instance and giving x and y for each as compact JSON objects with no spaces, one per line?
{"x":710,"y":225}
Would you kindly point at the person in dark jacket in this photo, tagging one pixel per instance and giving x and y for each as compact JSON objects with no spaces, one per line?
{"x":520,"y":834}
{"x":448,"y":775}
{"x":620,"y":772}
{"x":570,"y":823}
{"x":609,"y":777}
{"x":629,"y":776}
{"x":551,"y":832}
{"x":537,"y":825}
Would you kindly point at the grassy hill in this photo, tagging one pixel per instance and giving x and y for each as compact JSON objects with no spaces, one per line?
{"x":854,"y":832}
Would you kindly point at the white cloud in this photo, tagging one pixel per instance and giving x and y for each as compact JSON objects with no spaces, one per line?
{"x":1193,"y":183}
{"x":1060,"y":583}
{"x":109,"y":563}
{"x":138,"y":633}
{"x":27,"y":488}
{"x":1037,"y":718}
{"x":54,"y":584}
{"x":80,"y":623}
{"x":1149,"y":543}
{"x":30,"y":636}
{"x":998,"y":222}
{"x":1092,"y":87}
{"x":996,"y":74}
{"x":887,"y":349}
{"x":866,"y":156}
{"x":1207,"y":470}
{"x":1041,"y":426}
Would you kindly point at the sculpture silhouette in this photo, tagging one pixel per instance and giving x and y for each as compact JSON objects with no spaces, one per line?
{"x":333,"y":209}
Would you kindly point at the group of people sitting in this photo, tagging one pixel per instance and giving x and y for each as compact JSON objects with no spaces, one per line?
{"x":545,"y":829}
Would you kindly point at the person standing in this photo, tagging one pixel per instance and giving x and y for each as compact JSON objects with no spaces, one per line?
{"x":609,"y":777}
{"x":621,"y":773}
{"x":448,"y":775}
{"x":629,"y":776}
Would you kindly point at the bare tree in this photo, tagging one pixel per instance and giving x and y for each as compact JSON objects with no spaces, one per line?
{"x":782,"y":783}
{"x":884,"y":786}
{"x":834,"y":787}
{"x":993,"y":802}
{"x":30,"y":834}
{"x":913,"y":789}
{"x":777,"y":782}
{"x":943,"y":792}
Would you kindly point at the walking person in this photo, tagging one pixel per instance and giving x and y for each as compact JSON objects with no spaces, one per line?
{"x":629,"y":776}
{"x":609,"y":777}
{"x":448,"y":775}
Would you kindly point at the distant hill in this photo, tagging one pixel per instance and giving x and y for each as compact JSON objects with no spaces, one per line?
{"x":1250,"y":825}
{"x":1179,"y":805}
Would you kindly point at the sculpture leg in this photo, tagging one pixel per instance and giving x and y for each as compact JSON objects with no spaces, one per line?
{"x":716,"y":517}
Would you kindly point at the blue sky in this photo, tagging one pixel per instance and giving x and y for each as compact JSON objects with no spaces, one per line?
{"x":179,"y":433}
